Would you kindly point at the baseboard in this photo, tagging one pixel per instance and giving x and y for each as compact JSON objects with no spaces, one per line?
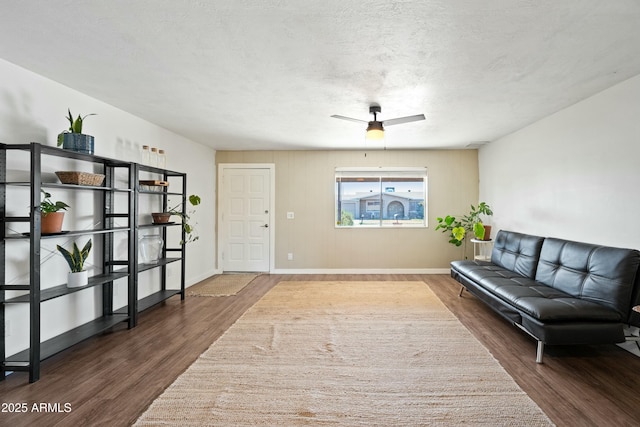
{"x":361,"y":271}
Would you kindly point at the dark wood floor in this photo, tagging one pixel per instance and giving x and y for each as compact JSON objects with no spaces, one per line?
{"x":111,"y":379}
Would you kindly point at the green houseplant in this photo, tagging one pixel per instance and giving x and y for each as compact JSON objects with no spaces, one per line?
{"x":458,"y":228}
{"x":51,"y":216}
{"x":163,"y":218}
{"x":474,"y":220}
{"x":78,"y":275}
{"x":73,"y":139}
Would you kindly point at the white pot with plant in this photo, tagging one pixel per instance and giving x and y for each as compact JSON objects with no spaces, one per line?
{"x":78,"y":276}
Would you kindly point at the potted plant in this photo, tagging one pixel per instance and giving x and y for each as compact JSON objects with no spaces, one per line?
{"x":73,"y":139}
{"x":473,"y":221}
{"x":78,"y":276}
{"x":470,"y":223}
{"x":163,"y":218}
{"x":51,"y":216}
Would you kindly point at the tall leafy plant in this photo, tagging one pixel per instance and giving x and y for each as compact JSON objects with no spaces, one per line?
{"x":187,"y":226}
{"x":473,"y":221}
{"x":458,"y":228}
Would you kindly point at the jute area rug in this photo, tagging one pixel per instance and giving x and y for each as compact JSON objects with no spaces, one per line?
{"x":221,"y":285}
{"x":345,"y":354}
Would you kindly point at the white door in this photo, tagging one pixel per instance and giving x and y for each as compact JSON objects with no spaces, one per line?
{"x":245,"y":219}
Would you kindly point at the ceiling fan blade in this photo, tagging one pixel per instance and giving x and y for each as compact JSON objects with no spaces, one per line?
{"x":400,"y":120}
{"x":349,"y":118}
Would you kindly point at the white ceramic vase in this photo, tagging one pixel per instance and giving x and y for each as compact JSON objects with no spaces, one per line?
{"x":77,"y":280}
{"x":150,"y":248}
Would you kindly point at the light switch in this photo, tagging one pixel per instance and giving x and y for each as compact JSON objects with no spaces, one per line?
{"x":290,"y":215}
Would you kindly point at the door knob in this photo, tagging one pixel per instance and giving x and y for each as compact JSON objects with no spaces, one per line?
{"x":265,"y":226}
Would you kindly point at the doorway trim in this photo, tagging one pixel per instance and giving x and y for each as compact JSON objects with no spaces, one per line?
{"x":222,"y":167}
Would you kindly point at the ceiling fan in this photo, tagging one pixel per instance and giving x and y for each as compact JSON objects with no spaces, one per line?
{"x":375,"y":128}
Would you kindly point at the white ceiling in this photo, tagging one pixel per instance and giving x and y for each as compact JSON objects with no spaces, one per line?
{"x":256,"y":74}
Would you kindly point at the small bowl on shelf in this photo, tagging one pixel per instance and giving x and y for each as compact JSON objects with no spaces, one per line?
{"x":160,"y":217}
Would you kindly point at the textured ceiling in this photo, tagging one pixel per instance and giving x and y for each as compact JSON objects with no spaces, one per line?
{"x":255,"y":74}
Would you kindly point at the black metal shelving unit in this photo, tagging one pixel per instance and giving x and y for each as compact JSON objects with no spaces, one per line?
{"x":113,"y":267}
{"x":170,"y":252}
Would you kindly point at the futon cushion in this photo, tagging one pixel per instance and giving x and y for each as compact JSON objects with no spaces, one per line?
{"x":539,"y":301}
{"x":597,"y":274}
{"x":517,"y":252}
{"x":552,"y":305}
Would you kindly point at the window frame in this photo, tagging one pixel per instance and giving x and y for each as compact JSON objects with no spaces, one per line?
{"x":384,"y":177}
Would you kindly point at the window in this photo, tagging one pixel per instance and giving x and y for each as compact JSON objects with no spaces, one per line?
{"x":381,"y":197}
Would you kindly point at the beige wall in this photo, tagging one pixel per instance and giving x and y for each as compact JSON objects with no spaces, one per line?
{"x":305,"y":186}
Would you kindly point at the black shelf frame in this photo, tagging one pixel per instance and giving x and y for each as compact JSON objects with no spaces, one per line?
{"x":29,"y":359}
{"x":164,"y":292}
{"x":113,"y":267}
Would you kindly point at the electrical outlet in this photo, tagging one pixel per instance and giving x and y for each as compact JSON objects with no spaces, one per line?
{"x":7,"y":328}
{"x":290,"y":215}
{"x":290,"y":256}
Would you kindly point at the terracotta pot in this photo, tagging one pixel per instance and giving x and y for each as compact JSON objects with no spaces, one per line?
{"x":51,"y":222}
{"x":161,"y":217}
{"x":487,"y":232}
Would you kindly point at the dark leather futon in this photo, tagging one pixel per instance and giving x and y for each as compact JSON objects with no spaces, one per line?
{"x":560,"y":292}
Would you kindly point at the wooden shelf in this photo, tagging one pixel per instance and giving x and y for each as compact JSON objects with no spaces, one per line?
{"x":160,"y":193}
{"x":151,"y":300}
{"x":74,"y":336}
{"x":173,"y":224}
{"x":58,"y":291}
{"x":69,"y":233}
{"x":69,"y":186}
{"x":159,"y":263}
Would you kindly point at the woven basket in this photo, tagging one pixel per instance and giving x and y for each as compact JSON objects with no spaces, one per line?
{"x":80,"y":178}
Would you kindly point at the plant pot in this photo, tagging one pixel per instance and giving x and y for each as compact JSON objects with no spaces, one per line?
{"x":51,"y":222}
{"x":78,"y":142}
{"x":77,"y":280}
{"x":150,"y":248}
{"x":487,"y":232}
{"x":160,"y":217}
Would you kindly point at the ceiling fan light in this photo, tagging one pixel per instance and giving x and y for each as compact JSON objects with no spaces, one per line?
{"x":375,"y":130}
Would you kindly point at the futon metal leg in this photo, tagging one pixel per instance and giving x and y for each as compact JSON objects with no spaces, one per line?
{"x":540,"y":352}
{"x":461,"y":290}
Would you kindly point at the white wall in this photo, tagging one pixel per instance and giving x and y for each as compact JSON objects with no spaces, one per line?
{"x":33,"y":108}
{"x":574,"y":174}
